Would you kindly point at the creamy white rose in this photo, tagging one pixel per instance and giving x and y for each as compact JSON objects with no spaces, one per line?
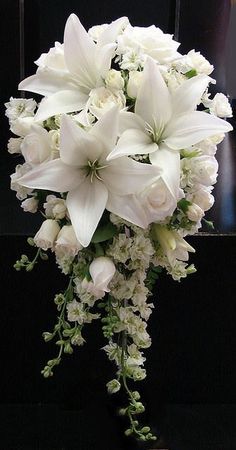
{"x":203,"y":198}
{"x":204,"y":170}
{"x":30,"y":205}
{"x":102,"y":99}
{"x":102,"y":270}
{"x":67,"y":243}
{"x":193,"y":60}
{"x":194,"y":212}
{"x":220,"y":106}
{"x":46,"y":236}
{"x":36,"y":146}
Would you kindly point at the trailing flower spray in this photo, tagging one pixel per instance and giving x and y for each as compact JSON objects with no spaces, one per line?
{"x":119,"y":158}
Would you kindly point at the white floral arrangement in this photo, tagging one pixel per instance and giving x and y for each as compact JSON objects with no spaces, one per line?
{"x":119,"y":158}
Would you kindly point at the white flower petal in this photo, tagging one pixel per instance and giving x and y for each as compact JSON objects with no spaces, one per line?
{"x":129,"y":208}
{"x":79,"y":50}
{"x":111,"y":32}
{"x":153,"y":101}
{"x":133,"y":142}
{"x":188,"y":129}
{"x":125,"y":176}
{"x":130,"y":120}
{"x":46,"y":82}
{"x":86,"y":205}
{"x":61,"y":102}
{"x":77,"y":146}
{"x":52,"y":176}
{"x":106,"y":128}
{"x":169,"y":161}
{"x":188,"y":95}
{"x":103,"y":58}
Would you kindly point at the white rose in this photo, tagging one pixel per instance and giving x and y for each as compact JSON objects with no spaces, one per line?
{"x":157,"y":200}
{"x":135,"y":78}
{"x":55,"y":207}
{"x":194,"y":212}
{"x":102,"y":270}
{"x":13,"y":145}
{"x":102,"y":99}
{"x":22,"y":126}
{"x":114,"y":80}
{"x":193,"y":60}
{"x":220,"y":106}
{"x":67,"y":243}
{"x":149,"y":41}
{"x":54,"y":59}
{"x":30,"y":205}
{"x":203,"y":198}
{"x":46,"y":236}
{"x":36,"y":146}
{"x":204,"y":169}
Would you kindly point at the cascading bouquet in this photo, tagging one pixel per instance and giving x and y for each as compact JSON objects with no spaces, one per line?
{"x":119,"y":160}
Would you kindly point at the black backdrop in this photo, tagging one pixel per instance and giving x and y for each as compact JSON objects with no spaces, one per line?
{"x":192,"y":360}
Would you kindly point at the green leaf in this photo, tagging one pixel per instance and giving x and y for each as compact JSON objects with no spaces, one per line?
{"x":104,"y":233}
{"x":191,"y":73}
{"x":183,"y":204}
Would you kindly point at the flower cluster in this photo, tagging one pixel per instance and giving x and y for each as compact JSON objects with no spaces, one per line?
{"x":119,"y":158}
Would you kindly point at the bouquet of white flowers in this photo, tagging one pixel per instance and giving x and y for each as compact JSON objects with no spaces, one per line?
{"x":119,"y":158}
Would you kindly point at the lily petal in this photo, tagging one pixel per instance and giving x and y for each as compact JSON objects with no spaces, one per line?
{"x":109,"y":35}
{"x":104,"y":56}
{"x":169,"y":161}
{"x":105,"y":129}
{"x":153,"y":101}
{"x":52,"y":176}
{"x":86,"y":205}
{"x":129,"y":208}
{"x":79,"y":50}
{"x":189,"y":129}
{"x":61,"y":102}
{"x":47,"y":82}
{"x":130,"y":120}
{"x":133,"y":142}
{"x":77,"y":146}
{"x":188,"y":95}
{"x":127,"y":176}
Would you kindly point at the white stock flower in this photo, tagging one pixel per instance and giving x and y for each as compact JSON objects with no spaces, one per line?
{"x":114,"y":80}
{"x":172,"y":244}
{"x":36,"y":146}
{"x":113,"y":386}
{"x":92,"y":182}
{"x":30,"y":205}
{"x":68,"y":73}
{"x":55,"y":207}
{"x":66,"y":243}
{"x":46,"y":236}
{"x":20,"y":171}
{"x":102,"y":100}
{"x":14,"y":145}
{"x":20,"y":107}
{"x":204,"y":170}
{"x":193,"y":60}
{"x":77,"y":312}
{"x":220,"y":106}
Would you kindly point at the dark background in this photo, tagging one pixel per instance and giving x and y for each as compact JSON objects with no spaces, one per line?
{"x":190,"y":388}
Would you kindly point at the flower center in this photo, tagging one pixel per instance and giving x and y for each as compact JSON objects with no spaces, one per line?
{"x":155,"y":131}
{"x":93,"y":169}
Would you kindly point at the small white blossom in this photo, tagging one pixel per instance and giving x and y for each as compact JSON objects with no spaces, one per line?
{"x":55,"y":207}
{"x":20,"y":107}
{"x":77,"y":312}
{"x":21,"y":191}
{"x":193,"y":60}
{"x":220,"y":106}
{"x":114,"y":80}
{"x":113,"y":386}
{"x":14,"y":145}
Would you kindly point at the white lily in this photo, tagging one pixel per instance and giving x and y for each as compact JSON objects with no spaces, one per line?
{"x":67,"y":84}
{"x":92,"y":182}
{"x":162,"y":119}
